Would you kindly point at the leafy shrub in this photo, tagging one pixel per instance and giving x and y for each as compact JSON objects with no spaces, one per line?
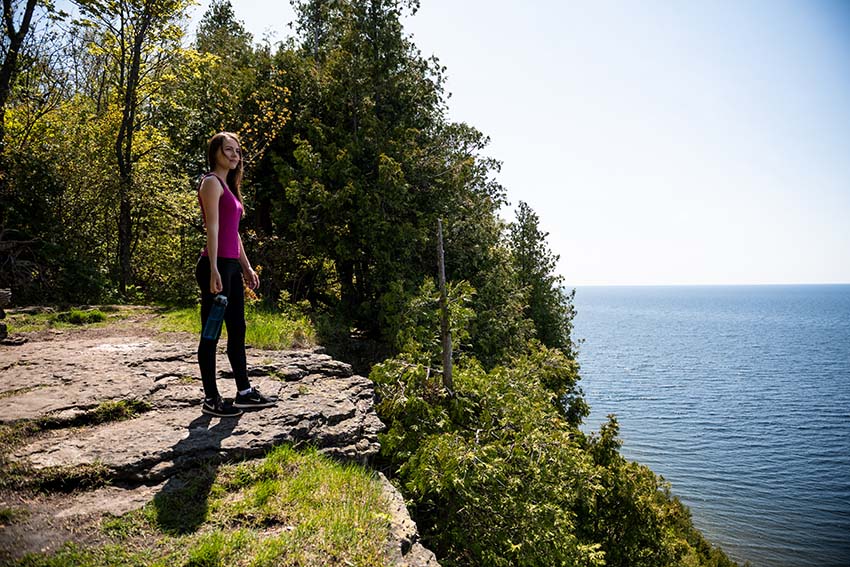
{"x":499,"y":473}
{"x":496,"y":471}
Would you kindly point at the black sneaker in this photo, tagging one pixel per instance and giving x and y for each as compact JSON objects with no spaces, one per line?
{"x":253,"y":399}
{"x":220,"y":408}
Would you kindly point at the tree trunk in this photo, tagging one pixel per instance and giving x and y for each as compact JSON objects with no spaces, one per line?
{"x":345,"y":272}
{"x":124,"y":154}
{"x":445,"y":331}
{"x":5,"y":299}
{"x":10,"y":63}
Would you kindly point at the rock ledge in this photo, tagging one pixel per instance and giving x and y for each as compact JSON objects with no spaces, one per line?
{"x":321,"y":403}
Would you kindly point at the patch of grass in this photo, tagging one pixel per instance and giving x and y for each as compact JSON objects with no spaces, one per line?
{"x":218,"y":548}
{"x":266,"y":329}
{"x":16,"y":475}
{"x":181,"y":320}
{"x":69,"y":478}
{"x":271,"y":330}
{"x":122,"y":528}
{"x":80,"y":317}
{"x":14,"y":434}
{"x":283,"y":551}
{"x":182,"y":511}
{"x":105,"y":412}
{"x":19,"y":475}
{"x":12,"y":515}
{"x":292,"y":508}
{"x":335,"y":510}
{"x":19,"y":391}
{"x":78,"y":556}
{"x":48,"y":318}
{"x":115,"y":410}
{"x":29,"y":322}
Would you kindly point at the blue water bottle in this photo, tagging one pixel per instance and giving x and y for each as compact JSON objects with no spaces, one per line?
{"x":213,"y":327}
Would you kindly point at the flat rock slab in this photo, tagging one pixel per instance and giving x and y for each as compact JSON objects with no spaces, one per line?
{"x":321,"y":402}
{"x":67,"y":375}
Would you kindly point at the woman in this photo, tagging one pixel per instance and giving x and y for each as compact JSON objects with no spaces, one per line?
{"x":221,"y":268}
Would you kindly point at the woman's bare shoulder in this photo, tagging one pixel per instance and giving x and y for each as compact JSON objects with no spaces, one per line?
{"x":210,"y":186}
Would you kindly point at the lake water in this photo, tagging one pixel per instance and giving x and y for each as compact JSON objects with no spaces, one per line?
{"x":739,"y":396}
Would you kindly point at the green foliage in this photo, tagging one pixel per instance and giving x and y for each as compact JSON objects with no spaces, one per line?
{"x":546,"y":304}
{"x":74,"y":554}
{"x":495,"y":471}
{"x":267,"y":328}
{"x":292,"y":508}
{"x":416,"y":325}
{"x":367,"y":165}
{"x":636,"y":518}
{"x":43,"y":257}
{"x":500,"y":474}
{"x":78,"y":317}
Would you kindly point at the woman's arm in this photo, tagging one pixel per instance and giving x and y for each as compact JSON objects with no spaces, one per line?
{"x":211,"y":192}
{"x":251,"y":277}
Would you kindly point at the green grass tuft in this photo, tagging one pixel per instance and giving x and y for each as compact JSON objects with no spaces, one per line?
{"x":69,"y":478}
{"x":218,"y":548}
{"x":47,"y":318}
{"x":266,"y":329}
{"x":292,"y":508}
{"x":73,"y":554}
{"x":11,"y":515}
{"x":119,"y":410}
{"x":78,"y":317}
{"x":28,"y":322}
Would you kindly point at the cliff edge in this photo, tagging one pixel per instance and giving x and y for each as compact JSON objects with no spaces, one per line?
{"x":64,"y":380}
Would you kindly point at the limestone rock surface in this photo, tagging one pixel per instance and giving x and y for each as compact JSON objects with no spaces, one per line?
{"x":68,"y":376}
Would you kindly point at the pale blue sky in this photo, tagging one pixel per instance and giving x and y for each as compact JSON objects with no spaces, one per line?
{"x":660,"y":142}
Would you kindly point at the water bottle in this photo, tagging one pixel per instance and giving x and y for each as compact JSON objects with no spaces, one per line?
{"x":213,"y":327}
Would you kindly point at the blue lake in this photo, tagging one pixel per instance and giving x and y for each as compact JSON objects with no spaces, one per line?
{"x":739,"y":396}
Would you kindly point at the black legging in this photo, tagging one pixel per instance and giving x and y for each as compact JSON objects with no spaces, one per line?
{"x":234,"y":321}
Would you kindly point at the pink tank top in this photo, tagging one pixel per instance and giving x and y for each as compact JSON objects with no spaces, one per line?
{"x":229,"y":214}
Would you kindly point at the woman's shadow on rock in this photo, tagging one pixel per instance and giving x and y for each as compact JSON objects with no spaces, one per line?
{"x":181,"y":505}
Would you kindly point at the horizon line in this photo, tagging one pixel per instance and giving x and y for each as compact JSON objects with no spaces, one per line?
{"x":768,"y":284}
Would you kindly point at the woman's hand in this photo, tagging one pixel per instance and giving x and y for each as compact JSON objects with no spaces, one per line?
{"x":251,"y":278}
{"x":215,"y":282}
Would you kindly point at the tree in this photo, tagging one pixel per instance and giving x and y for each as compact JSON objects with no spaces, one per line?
{"x":212,"y":86}
{"x":368,"y":163}
{"x":141,"y":39}
{"x":12,"y":41}
{"x":547,"y":305}
{"x":354,"y":174}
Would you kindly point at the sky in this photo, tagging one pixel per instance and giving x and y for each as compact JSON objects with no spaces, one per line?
{"x":661,"y":142}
